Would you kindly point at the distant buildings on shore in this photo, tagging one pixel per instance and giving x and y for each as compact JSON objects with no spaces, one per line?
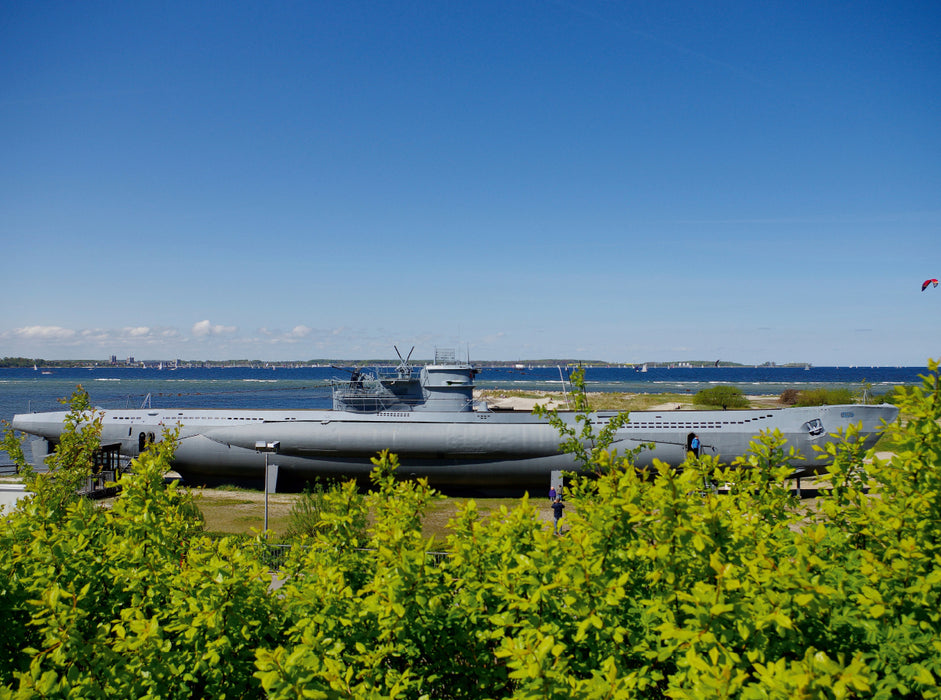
{"x":517,"y":365}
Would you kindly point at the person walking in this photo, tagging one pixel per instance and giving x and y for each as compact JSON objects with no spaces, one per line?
{"x":552,"y":494}
{"x":557,"y":507}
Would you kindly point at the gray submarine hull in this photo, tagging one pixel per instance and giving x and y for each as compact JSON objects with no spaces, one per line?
{"x":430,"y":420}
{"x":473,"y":450}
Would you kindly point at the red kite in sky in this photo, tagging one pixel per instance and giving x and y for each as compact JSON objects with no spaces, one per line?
{"x":927,"y":282}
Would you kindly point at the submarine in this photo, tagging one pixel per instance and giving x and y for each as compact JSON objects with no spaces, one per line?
{"x":427,"y":416}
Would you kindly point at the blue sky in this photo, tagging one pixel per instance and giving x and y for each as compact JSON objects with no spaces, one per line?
{"x":623,"y":181}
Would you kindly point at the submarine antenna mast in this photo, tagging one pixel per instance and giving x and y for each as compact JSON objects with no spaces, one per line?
{"x":404,"y":370}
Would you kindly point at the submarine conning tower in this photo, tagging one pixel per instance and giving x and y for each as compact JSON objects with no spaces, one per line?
{"x":447,"y":385}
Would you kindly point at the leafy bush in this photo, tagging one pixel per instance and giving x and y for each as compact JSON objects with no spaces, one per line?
{"x":819,"y":397}
{"x":894,"y":396}
{"x":319,"y":508}
{"x":127,"y":601}
{"x":658,"y":589}
{"x":824,"y":397}
{"x":69,"y":465}
{"x":722,"y":396}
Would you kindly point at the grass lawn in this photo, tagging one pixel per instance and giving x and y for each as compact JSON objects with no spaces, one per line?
{"x":242,"y":511}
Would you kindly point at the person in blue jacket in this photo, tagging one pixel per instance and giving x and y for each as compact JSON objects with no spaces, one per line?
{"x":557,"y":507}
{"x":695,"y":445}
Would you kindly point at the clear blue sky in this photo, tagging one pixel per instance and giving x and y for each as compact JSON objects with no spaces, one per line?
{"x":627,"y":181}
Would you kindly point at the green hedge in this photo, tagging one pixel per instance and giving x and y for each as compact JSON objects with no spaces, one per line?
{"x":659,"y":588}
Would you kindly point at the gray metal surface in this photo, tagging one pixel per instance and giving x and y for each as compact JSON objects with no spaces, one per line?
{"x":427,"y":417}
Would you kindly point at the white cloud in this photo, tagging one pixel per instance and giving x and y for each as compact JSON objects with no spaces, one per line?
{"x":43,"y":333}
{"x":127,"y":336}
{"x":94,"y":334}
{"x":84,"y":343}
{"x":202,"y":329}
{"x":274,"y":336}
{"x":204,"y":340}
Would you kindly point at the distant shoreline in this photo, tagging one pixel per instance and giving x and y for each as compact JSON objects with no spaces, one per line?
{"x":568,"y":364}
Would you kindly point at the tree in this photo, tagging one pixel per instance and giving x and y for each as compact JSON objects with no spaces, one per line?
{"x":69,"y":466}
{"x":579,"y":438}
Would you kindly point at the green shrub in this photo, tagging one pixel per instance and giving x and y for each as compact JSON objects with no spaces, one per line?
{"x":318,"y":508}
{"x":824,"y":397}
{"x":69,"y":465}
{"x":659,"y":588}
{"x":127,"y":601}
{"x":895,"y":395}
{"x":722,"y":396}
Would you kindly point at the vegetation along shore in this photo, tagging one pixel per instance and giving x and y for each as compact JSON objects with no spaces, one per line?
{"x":660,"y":585}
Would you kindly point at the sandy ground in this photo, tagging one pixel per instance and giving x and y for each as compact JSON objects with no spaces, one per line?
{"x":518,"y":403}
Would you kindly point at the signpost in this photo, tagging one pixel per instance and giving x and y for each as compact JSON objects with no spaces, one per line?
{"x":267,"y":448}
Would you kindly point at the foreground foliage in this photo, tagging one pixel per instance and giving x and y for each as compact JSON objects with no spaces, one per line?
{"x":660,"y":588}
{"x":314,"y":510}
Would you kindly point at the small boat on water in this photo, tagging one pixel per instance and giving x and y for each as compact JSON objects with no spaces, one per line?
{"x":428,"y":416}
